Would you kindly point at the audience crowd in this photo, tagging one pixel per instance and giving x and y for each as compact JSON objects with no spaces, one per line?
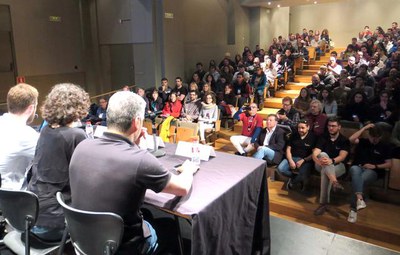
{"x":358,"y":87}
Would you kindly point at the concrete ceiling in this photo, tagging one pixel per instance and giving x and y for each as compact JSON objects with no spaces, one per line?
{"x":282,"y":3}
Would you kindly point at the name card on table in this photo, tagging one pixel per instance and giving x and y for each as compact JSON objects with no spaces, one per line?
{"x":185,"y":149}
{"x":147,"y":142}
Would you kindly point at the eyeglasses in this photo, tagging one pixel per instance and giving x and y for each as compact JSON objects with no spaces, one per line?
{"x":286,"y":104}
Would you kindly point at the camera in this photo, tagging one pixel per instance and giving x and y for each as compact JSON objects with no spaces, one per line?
{"x":246,"y":108}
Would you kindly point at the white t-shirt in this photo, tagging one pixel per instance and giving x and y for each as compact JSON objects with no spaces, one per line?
{"x":17,"y":148}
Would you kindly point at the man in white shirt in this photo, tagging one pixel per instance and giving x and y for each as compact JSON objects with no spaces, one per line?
{"x":18,"y":140}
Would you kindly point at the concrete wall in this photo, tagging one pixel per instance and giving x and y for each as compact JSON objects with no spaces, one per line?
{"x":273,"y":22}
{"x":47,"y":52}
{"x":345,"y":19}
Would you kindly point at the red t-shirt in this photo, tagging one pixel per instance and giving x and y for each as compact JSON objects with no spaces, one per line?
{"x":250,"y":123}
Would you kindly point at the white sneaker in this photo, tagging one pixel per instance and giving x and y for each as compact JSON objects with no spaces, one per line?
{"x":360,"y":204}
{"x":352,"y":217}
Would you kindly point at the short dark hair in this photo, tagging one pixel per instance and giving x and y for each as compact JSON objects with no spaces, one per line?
{"x":178,"y":78}
{"x":199,"y":64}
{"x":376,"y":131}
{"x":335,"y":119}
{"x":164,"y":79}
{"x":273,"y":115}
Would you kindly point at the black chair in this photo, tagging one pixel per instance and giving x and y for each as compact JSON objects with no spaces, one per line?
{"x":20,"y":209}
{"x":93,"y":233}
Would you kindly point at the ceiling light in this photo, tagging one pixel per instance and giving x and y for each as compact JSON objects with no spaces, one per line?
{"x":278,"y":5}
{"x":315,"y":2}
{"x":269,"y":3}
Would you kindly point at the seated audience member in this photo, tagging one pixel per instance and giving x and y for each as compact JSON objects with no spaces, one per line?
{"x":315,"y":87}
{"x":362,"y":71}
{"x":220,"y":88}
{"x":200,"y":70}
{"x":141,"y":92}
{"x":214,"y":72}
{"x":242,"y":70}
{"x":197,"y":80}
{"x":372,"y":157}
{"x":126,"y":88}
{"x":64,"y":105}
{"x":349,"y":52}
{"x":227,"y":61}
{"x":206,"y":89}
{"x":271,"y":141}
{"x":280,"y":70}
{"x":326,"y":79}
{"x":18,"y":140}
{"x":241,"y":89}
{"x":357,"y":108}
{"x":101,"y":112}
{"x":252,"y":125}
{"x":191,"y":109}
{"x":164,"y":90}
{"x":316,"y":118}
{"x":340,"y":93}
{"x":390,"y":83}
{"x":173,"y":107}
{"x":384,"y":111}
{"x":288,"y":115}
{"x":208,"y":114}
{"x":351,"y":67}
{"x":270,"y":72}
{"x":359,"y":85}
{"x":129,"y":173}
{"x":288,"y":63}
{"x":396,"y":134}
{"x":228,"y":101}
{"x":302,"y":102}
{"x":227,"y":73}
{"x":210,"y":82}
{"x":155,"y":103}
{"x":258,"y":83}
{"x":329,"y":104}
{"x":303,"y":51}
{"x":329,"y":155}
{"x":180,"y":90}
{"x":298,"y":156}
{"x":192,"y":86}
{"x":333,"y":67}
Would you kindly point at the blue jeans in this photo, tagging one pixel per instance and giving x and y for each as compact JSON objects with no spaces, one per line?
{"x":304,"y":170}
{"x":360,"y":177}
{"x":151,"y":240}
{"x":264,"y":151}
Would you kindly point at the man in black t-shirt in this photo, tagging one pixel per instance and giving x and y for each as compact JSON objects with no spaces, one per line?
{"x":111,"y":174}
{"x":180,"y":90}
{"x":298,"y":156}
{"x":372,"y":157}
{"x":329,"y":154}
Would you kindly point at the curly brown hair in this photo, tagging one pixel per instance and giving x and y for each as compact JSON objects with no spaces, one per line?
{"x":65,"y":103}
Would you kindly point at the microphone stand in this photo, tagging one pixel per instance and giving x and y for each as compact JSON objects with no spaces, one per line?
{"x":155,"y":152}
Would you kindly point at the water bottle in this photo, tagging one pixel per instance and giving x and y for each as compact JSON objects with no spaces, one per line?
{"x":89,"y":130}
{"x":195,"y":152}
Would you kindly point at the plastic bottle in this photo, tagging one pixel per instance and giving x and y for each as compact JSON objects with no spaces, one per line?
{"x":195,"y":152}
{"x":89,"y":130}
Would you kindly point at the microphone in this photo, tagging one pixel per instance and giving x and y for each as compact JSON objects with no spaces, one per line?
{"x":152,"y":114}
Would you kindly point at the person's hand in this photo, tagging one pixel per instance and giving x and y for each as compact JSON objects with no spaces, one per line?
{"x":292,"y":165}
{"x":370,"y":125}
{"x":388,"y":114}
{"x":325,"y":161}
{"x":300,"y":163}
{"x":356,"y":119}
{"x":369,"y":166}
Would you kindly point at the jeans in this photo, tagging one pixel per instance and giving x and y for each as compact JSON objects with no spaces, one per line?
{"x":326,"y":185}
{"x":360,"y":177}
{"x":304,"y":170}
{"x":264,"y":151}
{"x":259,"y":99}
{"x":151,"y":240}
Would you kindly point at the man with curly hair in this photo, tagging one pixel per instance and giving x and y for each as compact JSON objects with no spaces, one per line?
{"x":65,"y":105}
{"x":18,"y":140}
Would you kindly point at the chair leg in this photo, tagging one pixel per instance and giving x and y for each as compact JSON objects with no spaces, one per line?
{"x":63,"y":241}
{"x":178,"y":229}
{"x":27,"y":230}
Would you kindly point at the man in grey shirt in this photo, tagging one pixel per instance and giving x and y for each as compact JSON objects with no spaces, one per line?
{"x":18,"y":140}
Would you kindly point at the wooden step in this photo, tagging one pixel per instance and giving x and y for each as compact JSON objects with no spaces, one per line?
{"x":273,"y":102}
{"x":320,"y":63}
{"x":311,"y":67}
{"x":296,"y":86}
{"x":289,"y":93}
{"x":302,"y":78}
{"x":224,"y":145}
{"x":308,"y":72}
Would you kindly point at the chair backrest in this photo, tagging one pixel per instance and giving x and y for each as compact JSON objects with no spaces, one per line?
{"x":17,"y":206}
{"x":93,"y":233}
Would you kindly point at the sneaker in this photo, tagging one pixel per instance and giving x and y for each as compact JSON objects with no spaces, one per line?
{"x":289,"y":184}
{"x":337,"y":187}
{"x":352,"y":216}
{"x":360,"y":204}
{"x":320,"y":210}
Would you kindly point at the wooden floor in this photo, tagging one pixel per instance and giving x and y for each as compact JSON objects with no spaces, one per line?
{"x":378,"y":224}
